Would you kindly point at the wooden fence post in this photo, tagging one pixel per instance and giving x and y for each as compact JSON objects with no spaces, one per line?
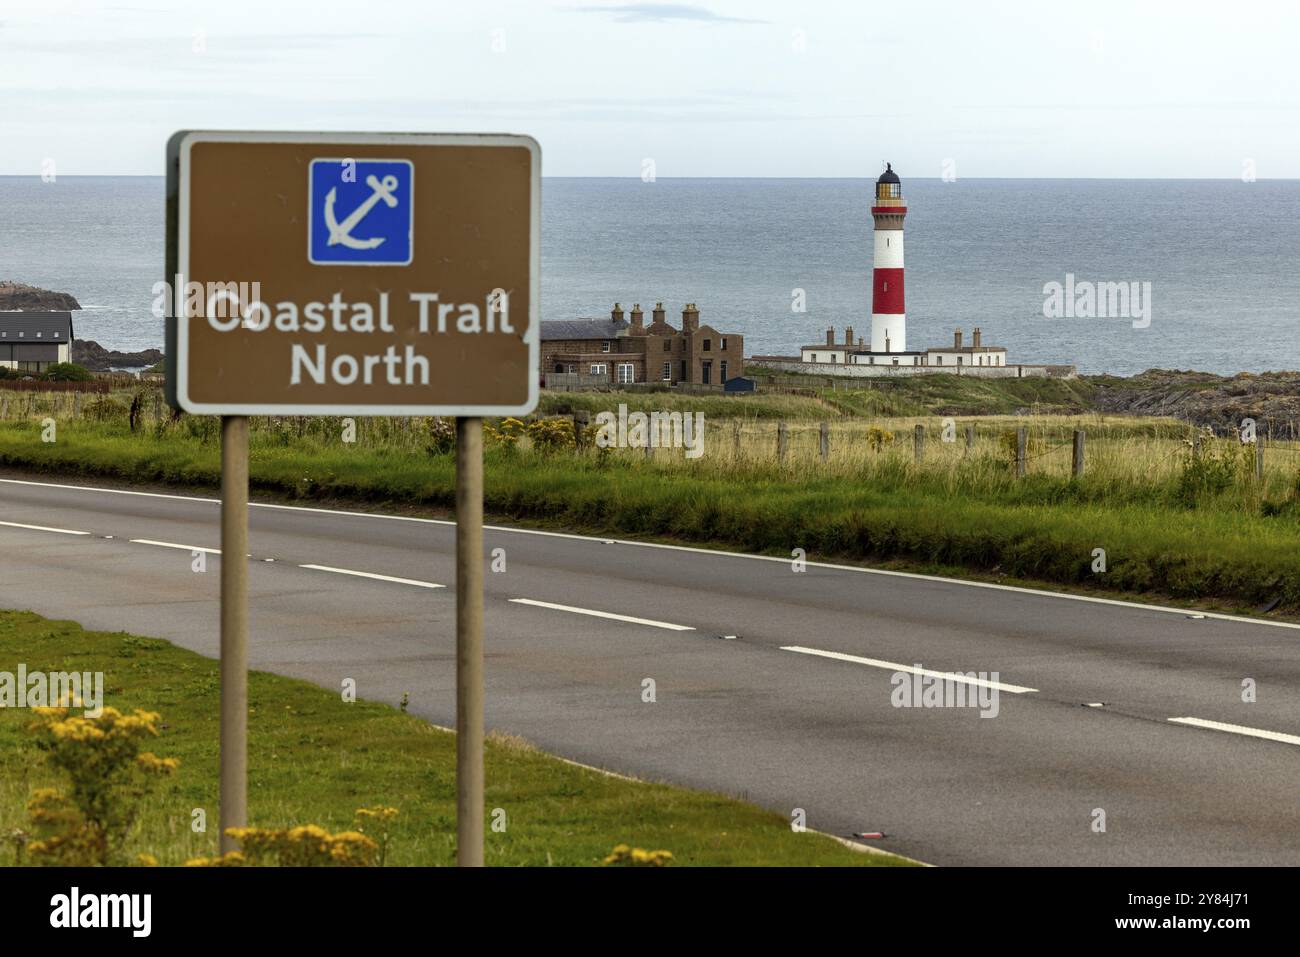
{"x":782,"y":440}
{"x":826,"y":441}
{"x":1077,"y":465}
{"x":735,"y":440}
{"x":580,"y":420}
{"x":918,"y":443}
{"x":1021,"y":437}
{"x":970,"y":439}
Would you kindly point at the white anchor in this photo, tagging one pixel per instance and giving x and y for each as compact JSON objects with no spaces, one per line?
{"x":341,"y":233}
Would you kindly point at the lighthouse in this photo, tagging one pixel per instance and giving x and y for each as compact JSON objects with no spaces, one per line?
{"x":888,"y":319}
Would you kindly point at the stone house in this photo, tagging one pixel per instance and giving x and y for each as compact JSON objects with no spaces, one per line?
{"x":621,"y":350}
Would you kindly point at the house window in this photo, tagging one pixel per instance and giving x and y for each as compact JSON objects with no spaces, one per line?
{"x":559,"y":367}
{"x":722,"y":371}
{"x":604,"y":346}
{"x":708,"y":345}
{"x":959,"y":360}
{"x":572,"y":368}
{"x":598,"y":368}
{"x":706,"y":370}
{"x":625,"y":373}
{"x":684,"y":377}
{"x":722,"y":343}
{"x":871,"y":360}
{"x":668,"y":372}
{"x":668,"y":345}
{"x":938,"y":360}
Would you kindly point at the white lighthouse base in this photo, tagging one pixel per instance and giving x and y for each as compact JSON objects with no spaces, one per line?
{"x":888,"y":327}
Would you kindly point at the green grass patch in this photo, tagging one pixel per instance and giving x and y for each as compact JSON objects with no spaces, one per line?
{"x":315,"y":759}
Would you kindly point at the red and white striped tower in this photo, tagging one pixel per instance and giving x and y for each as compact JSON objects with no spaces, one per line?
{"x":888,"y":319}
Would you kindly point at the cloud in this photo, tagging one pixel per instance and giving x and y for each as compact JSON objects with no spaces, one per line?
{"x":662,"y":13}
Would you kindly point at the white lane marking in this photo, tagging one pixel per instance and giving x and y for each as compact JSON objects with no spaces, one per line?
{"x":1239,"y":729}
{"x":44,"y":528}
{"x":911,"y":669}
{"x":917,"y":576}
{"x":184,"y":548}
{"x":377,"y":577}
{"x":601,"y":614}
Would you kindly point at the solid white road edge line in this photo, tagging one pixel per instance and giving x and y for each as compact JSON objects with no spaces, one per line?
{"x":1239,"y":729}
{"x":375,"y":576}
{"x":1042,"y":593}
{"x":601,"y":614}
{"x":911,"y":669}
{"x":44,"y":528}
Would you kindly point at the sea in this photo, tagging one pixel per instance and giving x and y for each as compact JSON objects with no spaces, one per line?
{"x":1216,"y":263}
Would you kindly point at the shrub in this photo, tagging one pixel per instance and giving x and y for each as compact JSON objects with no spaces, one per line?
{"x":624,"y":856}
{"x":67,"y":372}
{"x":304,"y":846}
{"x":1215,"y":468}
{"x":108,"y":775}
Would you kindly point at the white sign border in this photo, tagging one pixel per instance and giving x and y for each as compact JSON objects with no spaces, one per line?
{"x":532,"y":335}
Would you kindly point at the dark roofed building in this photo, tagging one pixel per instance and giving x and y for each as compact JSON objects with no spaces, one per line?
{"x":34,"y":341}
{"x":620,"y":352}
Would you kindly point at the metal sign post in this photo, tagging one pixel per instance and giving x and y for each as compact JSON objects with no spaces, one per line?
{"x":234,"y":627}
{"x":469,"y":642}
{"x":353,"y":274}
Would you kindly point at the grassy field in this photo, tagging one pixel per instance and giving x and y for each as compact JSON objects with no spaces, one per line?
{"x":315,"y":759}
{"x":1195,"y":527}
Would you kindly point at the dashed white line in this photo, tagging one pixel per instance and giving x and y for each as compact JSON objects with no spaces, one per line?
{"x":44,"y":528}
{"x":956,"y":676}
{"x":185,"y":548}
{"x":374,"y":575}
{"x":602,"y":614}
{"x":1239,"y":729}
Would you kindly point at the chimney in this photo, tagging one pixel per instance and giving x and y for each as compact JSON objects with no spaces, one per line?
{"x":616,"y":313}
{"x":690,"y":318}
{"x":638,"y":328}
{"x":657,"y":316}
{"x":859,"y":342}
{"x":975,"y":337}
{"x":848,"y":335}
{"x":830,"y":337}
{"x":956,"y":339}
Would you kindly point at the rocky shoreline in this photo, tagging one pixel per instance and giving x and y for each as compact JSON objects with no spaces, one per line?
{"x":1272,"y":399}
{"x":20,"y":297}
{"x":96,"y":358}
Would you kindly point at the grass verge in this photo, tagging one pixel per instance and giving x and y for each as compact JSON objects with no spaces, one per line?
{"x":315,"y":759}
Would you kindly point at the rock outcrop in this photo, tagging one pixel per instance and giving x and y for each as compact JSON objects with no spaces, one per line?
{"x":1272,"y":399}
{"x":88,"y":353}
{"x":20,"y":297}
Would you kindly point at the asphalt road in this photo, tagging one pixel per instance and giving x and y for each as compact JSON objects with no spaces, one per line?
{"x":794,"y":711}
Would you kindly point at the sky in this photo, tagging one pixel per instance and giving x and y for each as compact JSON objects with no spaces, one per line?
{"x":717,"y":88}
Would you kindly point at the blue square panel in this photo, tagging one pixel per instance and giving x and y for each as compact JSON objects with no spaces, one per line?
{"x":361,"y":212}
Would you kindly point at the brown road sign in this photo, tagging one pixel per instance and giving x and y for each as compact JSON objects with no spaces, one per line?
{"x":360,"y":274}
